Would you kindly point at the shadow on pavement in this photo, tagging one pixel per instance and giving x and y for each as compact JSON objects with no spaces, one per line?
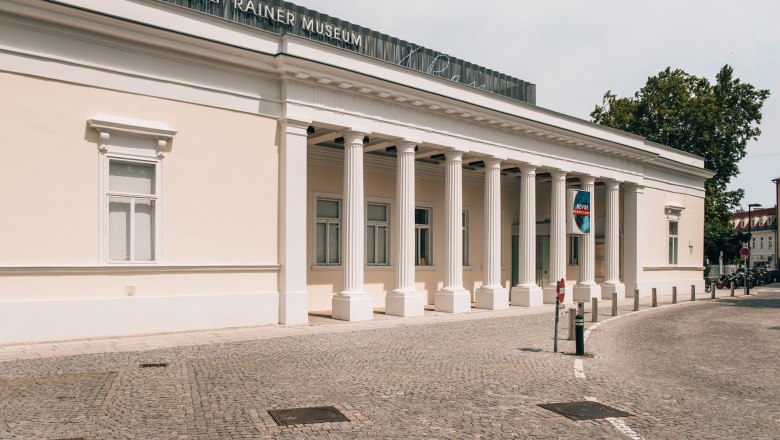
{"x":759,"y":303}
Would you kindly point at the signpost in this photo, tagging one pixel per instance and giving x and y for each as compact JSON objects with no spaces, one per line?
{"x":560,"y":290}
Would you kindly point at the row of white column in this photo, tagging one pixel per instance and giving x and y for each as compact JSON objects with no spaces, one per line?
{"x":353,"y":304}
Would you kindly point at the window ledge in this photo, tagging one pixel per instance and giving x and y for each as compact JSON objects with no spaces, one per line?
{"x":426,"y":268}
{"x":672,"y":267}
{"x":317,"y":268}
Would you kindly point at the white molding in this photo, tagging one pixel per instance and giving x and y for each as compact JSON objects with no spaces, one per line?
{"x":137,"y":127}
{"x":137,"y":269}
{"x":675,"y":268}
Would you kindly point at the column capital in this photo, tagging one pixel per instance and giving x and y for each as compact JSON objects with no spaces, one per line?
{"x":454,"y":155}
{"x":354,"y":136}
{"x":587,"y":180}
{"x":558,"y":174}
{"x":294,"y":126}
{"x":613,"y":183}
{"x":634,"y":187}
{"x":528,"y":169}
{"x":406,"y":146}
{"x":493,"y":162}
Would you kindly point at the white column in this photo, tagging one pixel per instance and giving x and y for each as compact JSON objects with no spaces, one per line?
{"x":587,"y":288}
{"x":492,"y":295}
{"x":527,"y":293}
{"x":453,"y":298}
{"x":612,"y":243}
{"x":632,"y":227}
{"x":293,"y":298}
{"x":404,"y":300}
{"x":352,"y":303}
{"x":557,"y":239}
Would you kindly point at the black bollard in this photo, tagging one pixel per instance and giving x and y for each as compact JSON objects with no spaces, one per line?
{"x":579,"y":325}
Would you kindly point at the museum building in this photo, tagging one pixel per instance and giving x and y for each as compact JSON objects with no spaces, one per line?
{"x":172,"y":165}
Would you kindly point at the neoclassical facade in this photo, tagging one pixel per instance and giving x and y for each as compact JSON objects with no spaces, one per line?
{"x":190,"y":164}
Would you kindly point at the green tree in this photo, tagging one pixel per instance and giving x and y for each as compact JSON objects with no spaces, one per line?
{"x":715,"y":121}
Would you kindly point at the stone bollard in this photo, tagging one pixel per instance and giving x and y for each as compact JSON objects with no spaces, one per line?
{"x":572,"y":313}
{"x":594,"y":312}
{"x":732,"y":289}
{"x":655,"y":297}
{"x":614,"y":303}
{"x":693,"y":292}
{"x":636,"y":300}
{"x":674,"y":294}
{"x":712,"y":291}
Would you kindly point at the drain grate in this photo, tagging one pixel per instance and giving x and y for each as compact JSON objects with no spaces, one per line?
{"x":584,"y":410}
{"x":159,"y":365}
{"x":306,"y":416}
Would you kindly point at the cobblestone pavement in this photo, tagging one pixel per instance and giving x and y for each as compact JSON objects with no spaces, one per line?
{"x":471,"y":377}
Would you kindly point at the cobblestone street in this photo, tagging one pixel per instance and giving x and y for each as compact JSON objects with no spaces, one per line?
{"x":704,"y":370}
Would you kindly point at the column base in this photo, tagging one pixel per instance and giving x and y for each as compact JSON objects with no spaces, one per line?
{"x":492,"y":298}
{"x":527,"y":296}
{"x":550,"y":292}
{"x":607,"y":289}
{"x":293,"y":308}
{"x":453,"y":301}
{"x":586,"y":292}
{"x":353,"y":307}
{"x":404,"y":303}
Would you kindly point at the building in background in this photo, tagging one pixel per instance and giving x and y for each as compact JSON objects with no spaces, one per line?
{"x":173,"y":165}
{"x":763,"y":229}
{"x":777,"y":204}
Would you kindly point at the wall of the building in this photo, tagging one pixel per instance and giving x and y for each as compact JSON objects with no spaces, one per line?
{"x":218,"y":208}
{"x":655,"y":241}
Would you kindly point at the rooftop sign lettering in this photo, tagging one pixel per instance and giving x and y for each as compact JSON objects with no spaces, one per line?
{"x":286,"y":18}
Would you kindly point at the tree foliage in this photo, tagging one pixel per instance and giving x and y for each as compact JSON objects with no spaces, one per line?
{"x":715,"y":121}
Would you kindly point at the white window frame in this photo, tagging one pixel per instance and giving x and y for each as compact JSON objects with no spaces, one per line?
{"x":573,"y":259}
{"x":328,"y":221}
{"x":376,"y":225}
{"x":154,"y":197}
{"x":673,"y":243}
{"x":417,"y":228}
{"x":147,"y":142}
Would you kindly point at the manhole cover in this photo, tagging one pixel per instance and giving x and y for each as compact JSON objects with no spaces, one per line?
{"x":584,"y":410}
{"x":305,"y":416}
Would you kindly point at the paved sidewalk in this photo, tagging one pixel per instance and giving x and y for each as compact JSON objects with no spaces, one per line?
{"x":319,"y":323}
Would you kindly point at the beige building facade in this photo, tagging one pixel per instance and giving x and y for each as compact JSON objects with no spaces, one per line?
{"x":174,"y":165}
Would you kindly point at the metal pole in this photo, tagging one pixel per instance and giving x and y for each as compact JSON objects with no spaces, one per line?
{"x":557,"y":308}
{"x":750,"y":237}
{"x":580,"y":324}
{"x":693,"y":292}
{"x":636,"y":300}
{"x":655,"y":297}
{"x":712,"y":290}
{"x":674,"y":294}
{"x":614,"y":303}
{"x":594,"y":310}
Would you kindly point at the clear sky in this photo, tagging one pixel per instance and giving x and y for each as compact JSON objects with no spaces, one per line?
{"x":575,"y":50}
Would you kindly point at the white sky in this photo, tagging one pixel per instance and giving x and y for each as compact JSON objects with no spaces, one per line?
{"x":574,"y":51}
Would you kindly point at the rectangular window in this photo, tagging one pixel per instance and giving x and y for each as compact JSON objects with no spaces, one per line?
{"x":673,"y":241}
{"x":328,"y":232}
{"x":132,"y":210}
{"x":422,"y":237}
{"x":465,"y":237}
{"x":376,"y":234}
{"x":770,"y":242}
{"x":574,"y":250}
{"x":762,"y":242}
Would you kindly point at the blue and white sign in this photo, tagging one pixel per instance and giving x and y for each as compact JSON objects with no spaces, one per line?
{"x":578,"y":208}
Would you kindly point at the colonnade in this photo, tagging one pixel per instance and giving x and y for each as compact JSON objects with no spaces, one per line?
{"x":353,"y":304}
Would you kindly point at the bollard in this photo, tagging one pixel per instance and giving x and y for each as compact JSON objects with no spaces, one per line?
{"x":732,"y":289}
{"x":655,"y":297}
{"x":594,"y":310}
{"x":580,"y":330}
{"x":712,"y":291}
{"x":571,"y":324}
{"x":614,"y":303}
{"x":674,"y":294}
{"x":693,"y":292}
{"x":581,"y":308}
{"x":636,"y":300}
